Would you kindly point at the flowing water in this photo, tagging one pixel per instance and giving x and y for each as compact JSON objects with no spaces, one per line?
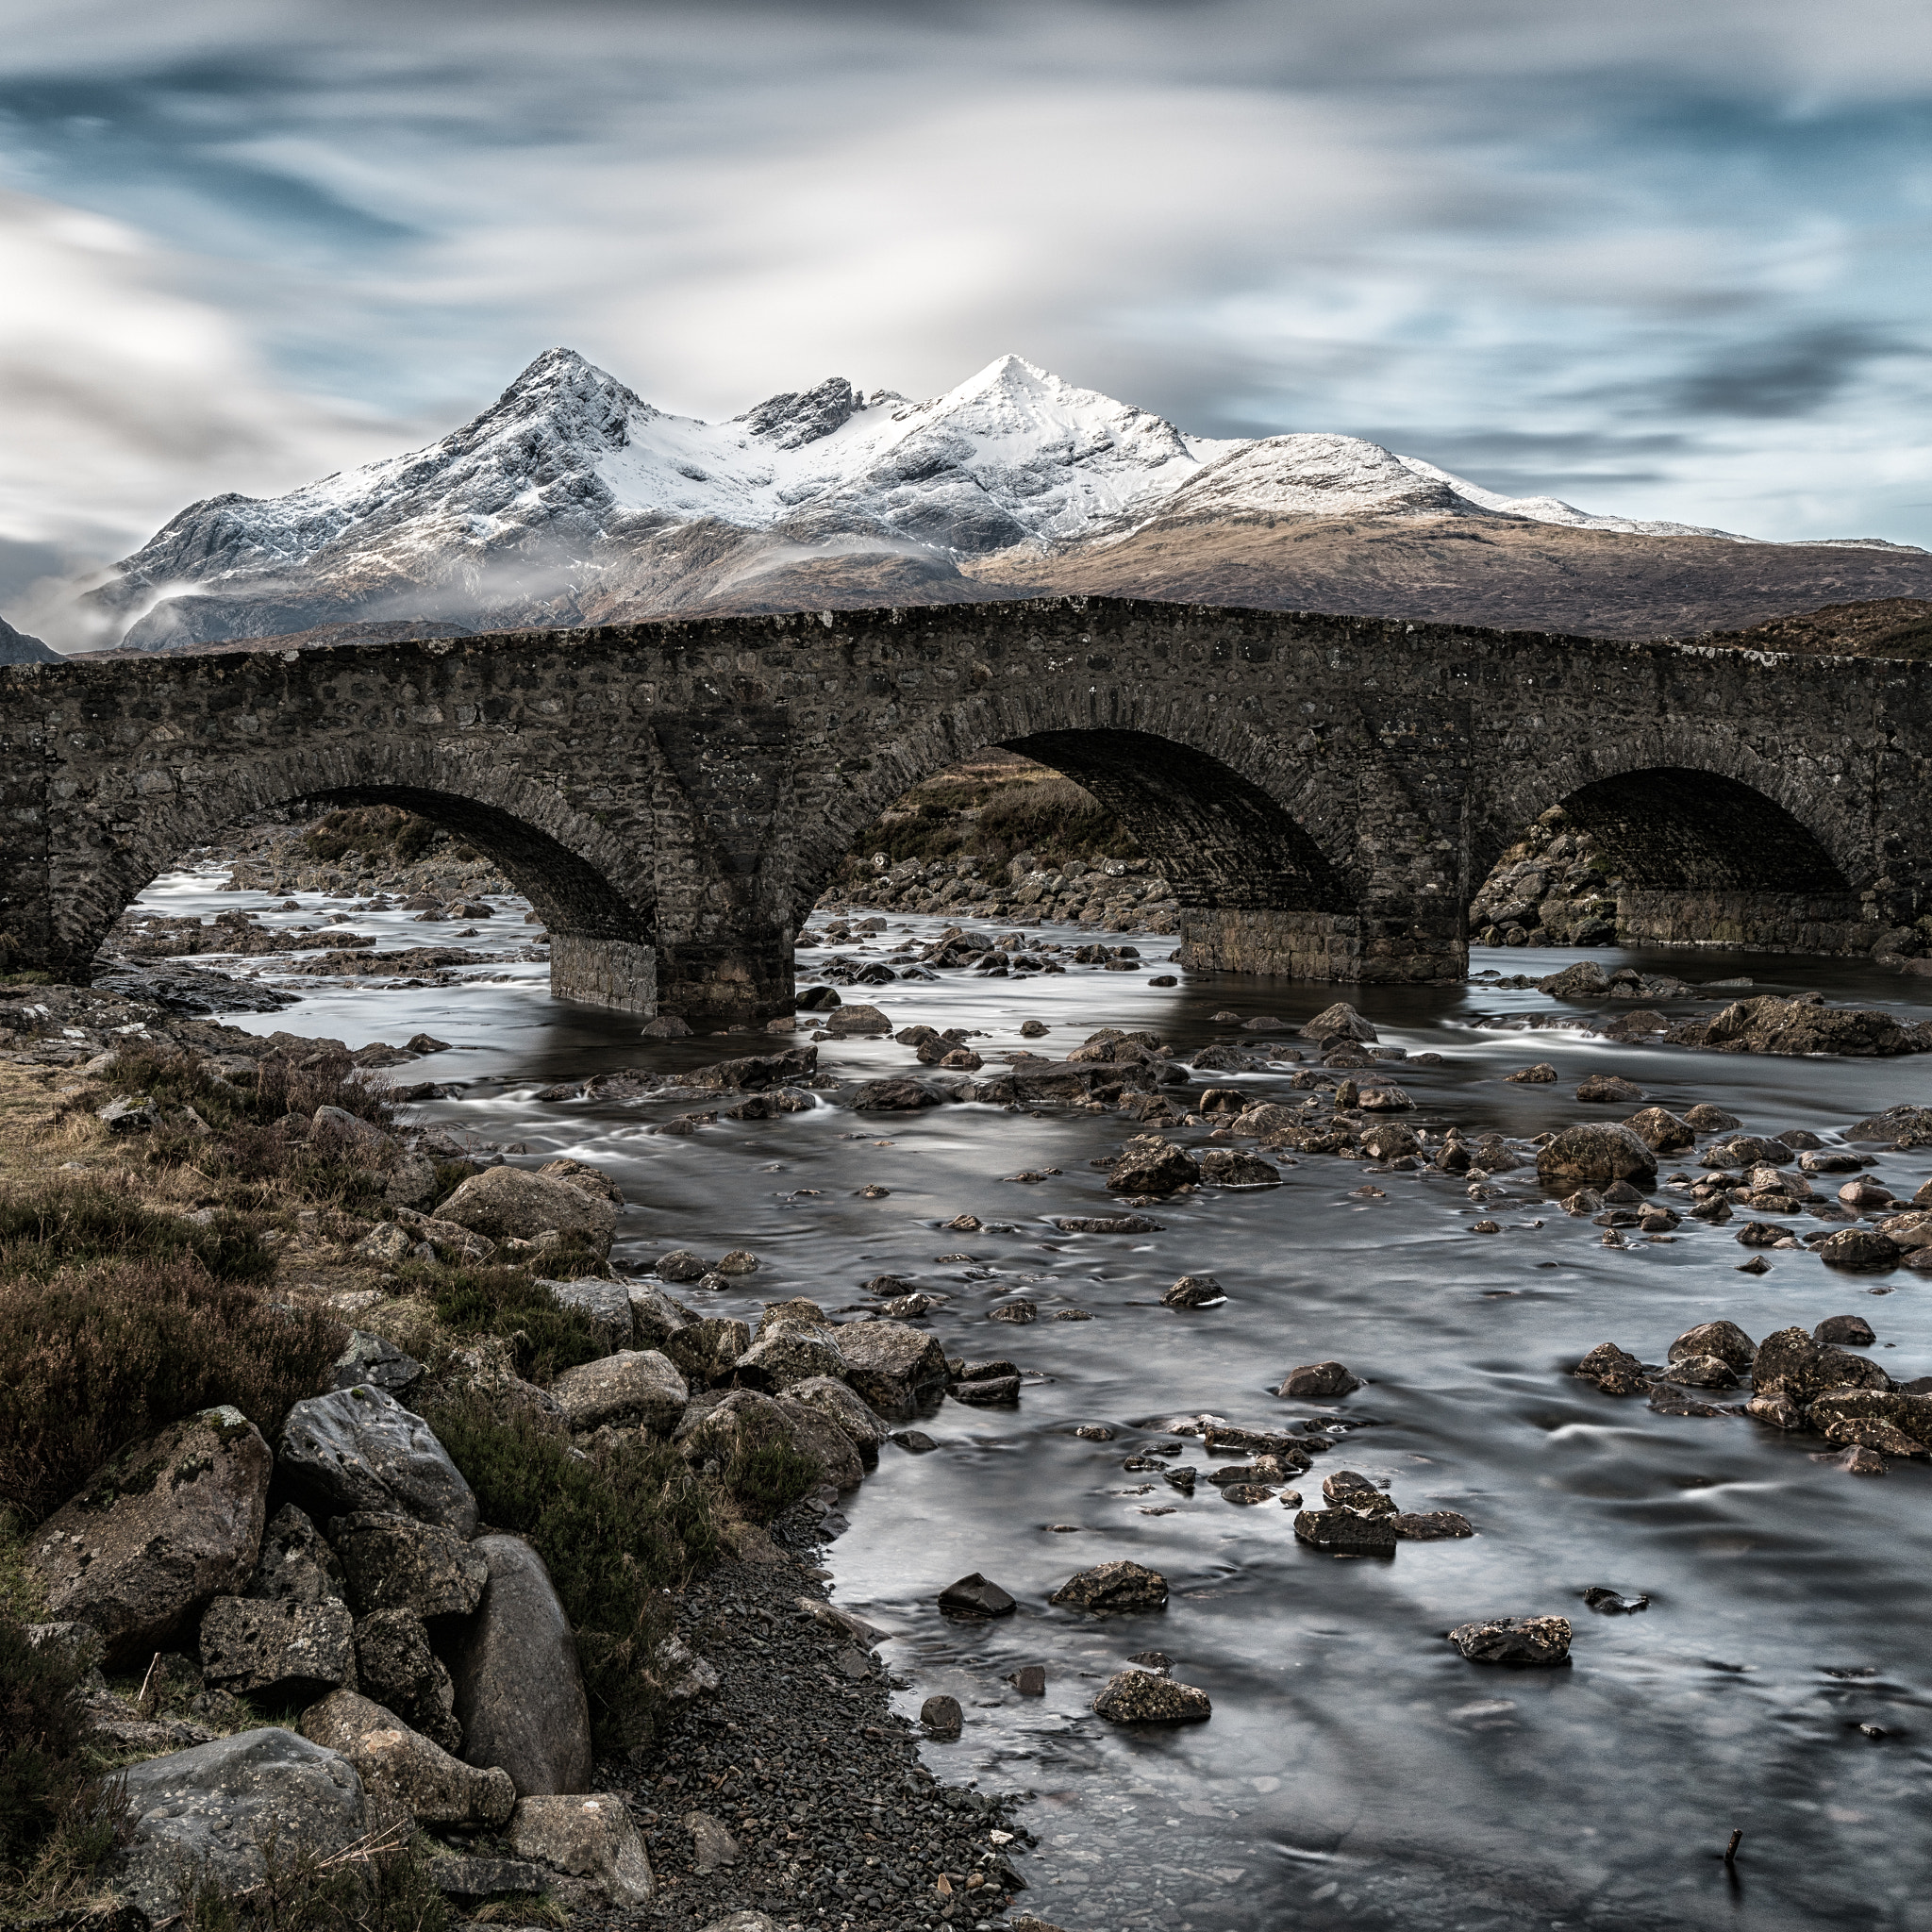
{"x":1357,"y":1770}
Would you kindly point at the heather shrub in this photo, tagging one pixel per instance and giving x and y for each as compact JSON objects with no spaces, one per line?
{"x":104,"y":1353}
{"x":55,"y":1228}
{"x":507,"y":1303}
{"x":771,"y":1477}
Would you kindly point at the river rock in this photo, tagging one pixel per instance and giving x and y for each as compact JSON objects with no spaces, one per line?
{"x":1113,"y":1587}
{"x":843,"y":1408}
{"x":512,"y":1204}
{"x":1227,"y":1167}
{"x":1613,"y":1370}
{"x":296,"y":1561}
{"x":393,"y":1563}
{"x":680,"y":1264}
{"x":359,"y":1449}
{"x":586,"y":1180}
{"x":1541,"y":1075}
{"x":1194,"y":1291}
{"x":709,"y":1350}
{"x":518,"y":1691}
{"x":818,"y":1436}
{"x":294,"y":1650}
{"x":211,"y":1808}
{"x":790,"y":1354}
{"x":1389,"y":1140}
{"x":1909,"y":1414}
{"x":974,"y":1598}
{"x":1791,"y":1363}
{"x":641,"y":1385}
{"x":894,"y":1096}
{"x":1660,"y":1130}
{"x":1592,"y":1155}
{"x":1851,"y":1331}
{"x":591,"y":1837}
{"x":1863,"y":1250}
{"x":1607,"y":1087}
{"x":655,"y":1316}
{"x":940,"y":1717}
{"x":1151,"y":1697}
{"x":1318,"y":1379}
{"x":1804,"y":1025}
{"x":1339,"y":1022}
{"x":403,"y":1764}
{"x":1150,"y":1165}
{"x":1346,"y":1529}
{"x":1519,"y":1640}
{"x":395,"y":1666}
{"x":893,"y":1366}
{"x":158,"y":1530}
{"x":1432,"y":1526}
{"x":1701,"y":1372}
{"x":1724,"y":1340}
{"x":606,"y":1303}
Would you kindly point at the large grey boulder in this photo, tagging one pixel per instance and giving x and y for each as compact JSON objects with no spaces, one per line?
{"x":635,"y":1386}
{"x":403,"y":1764}
{"x":167,"y":1525}
{"x":708,"y":1349}
{"x":296,"y":1561}
{"x":397,"y":1668}
{"x":819,"y":1436}
{"x":211,"y":1808}
{"x":392,"y":1563}
{"x":294,"y":1650}
{"x":787,"y":1355}
{"x":842,"y":1405}
{"x":510,"y":1204}
{"x":606,"y":1304}
{"x":1595,"y":1156}
{"x":590,"y":1837}
{"x":359,"y":1449}
{"x":717,"y":1428}
{"x":894,"y":1366}
{"x":519,"y":1692}
{"x":655,"y":1316}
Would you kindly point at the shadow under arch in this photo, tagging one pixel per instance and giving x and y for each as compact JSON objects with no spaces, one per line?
{"x":1669,"y":827}
{"x":1222,"y":840}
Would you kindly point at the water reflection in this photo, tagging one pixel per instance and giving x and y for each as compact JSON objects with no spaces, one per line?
{"x":1356,"y":1770}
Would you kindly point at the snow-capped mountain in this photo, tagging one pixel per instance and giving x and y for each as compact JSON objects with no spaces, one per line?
{"x":573,"y":500}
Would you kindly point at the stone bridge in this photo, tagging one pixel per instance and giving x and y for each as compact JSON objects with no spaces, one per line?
{"x":1327,"y":793}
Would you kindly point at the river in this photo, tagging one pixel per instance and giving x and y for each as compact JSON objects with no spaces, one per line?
{"x":1357,"y":1770}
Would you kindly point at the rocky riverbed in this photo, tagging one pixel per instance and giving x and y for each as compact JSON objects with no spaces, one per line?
{"x":1274,"y":1297}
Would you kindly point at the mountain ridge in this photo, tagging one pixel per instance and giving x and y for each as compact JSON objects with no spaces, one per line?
{"x":573,"y":500}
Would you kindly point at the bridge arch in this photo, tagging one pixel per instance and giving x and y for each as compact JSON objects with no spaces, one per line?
{"x":594,"y":894}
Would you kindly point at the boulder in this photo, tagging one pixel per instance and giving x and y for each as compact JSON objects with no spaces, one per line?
{"x":1701,"y":1372}
{"x":819,"y":1436}
{"x":846,"y":1409}
{"x":512,"y":1204}
{"x":359,"y":1449}
{"x":165,"y":1526}
{"x":403,"y":1764}
{"x":1317,"y":1379}
{"x":1851,"y":1331}
{"x":1346,"y":1529}
{"x":608,"y":1304}
{"x":1194,"y":1291}
{"x":640,"y":1385}
{"x":1661,"y":1131}
{"x":211,"y":1808}
{"x":1609,"y":1087}
{"x":680,"y":1264}
{"x":589,"y":1836}
{"x":293,"y":1650}
{"x":1339,"y":1022}
{"x":1593,"y":1156}
{"x":940,"y":1717}
{"x":893,"y":1366}
{"x":393,"y":1563}
{"x":1708,"y":1119}
{"x":753,"y":1073}
{"x":1613,"y":1370}
{"x":1863,"y":1250}
{"x":1724,"y":1340}
{"x":587,"y":1180}
{"x":1150,"y":1165}
{"x":395,"y":1666}
{"x":374,"y":1359}
{"x":1117,"y":1586}
{"x":1911,"y":1415}
{"x":519,"y":1690}
{"x":1432,"y":1526}
{"x":655,"y":1316}
{"x":1802,"y":1025}
{"x":1389,"y":1139}
{"x":1518,"y":1641}
{"x":857,"y":1020}
{"x":1586,"y":980}
{"x":708,"y":1351}
{"x":1227,"y":1167}
{"x":1902,"y":1125}
{"x":295,"y":1560}
{"x":1541,"y":1075}
{"x":1791,"y":1363}
{"x":790,"y":1354}
{"x":894,"y":1096}
{"x":974,"y":1599}
{"x":1151,"y":1697}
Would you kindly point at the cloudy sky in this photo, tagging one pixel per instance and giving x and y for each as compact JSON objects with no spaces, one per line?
{"x":1661,"y":258}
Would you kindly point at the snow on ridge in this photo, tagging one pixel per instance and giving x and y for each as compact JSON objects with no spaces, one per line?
{"x":1553,"y":509}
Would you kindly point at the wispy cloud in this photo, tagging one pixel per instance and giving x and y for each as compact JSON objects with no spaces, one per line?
{"x":1670,"y":261}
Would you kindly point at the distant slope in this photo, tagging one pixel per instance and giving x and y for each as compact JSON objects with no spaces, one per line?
{"x":16,"y":647}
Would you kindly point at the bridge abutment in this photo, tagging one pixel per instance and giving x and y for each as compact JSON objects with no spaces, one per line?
{"x":1834,"y":924}
{"x":604,"y":973}
{"x":1348,"y":948}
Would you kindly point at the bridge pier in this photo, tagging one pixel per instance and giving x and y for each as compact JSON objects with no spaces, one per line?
{"x":604,"y":973}
{"x":1348,"y":948}
{"x":1830,"y":923}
